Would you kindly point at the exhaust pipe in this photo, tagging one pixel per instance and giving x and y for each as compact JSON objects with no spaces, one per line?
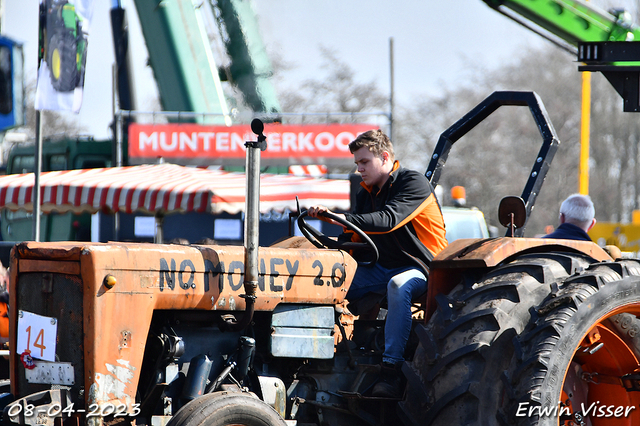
{"x":251,"y":224}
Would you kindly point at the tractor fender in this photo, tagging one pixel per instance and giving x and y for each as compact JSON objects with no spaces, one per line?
{"x":474,"y":253}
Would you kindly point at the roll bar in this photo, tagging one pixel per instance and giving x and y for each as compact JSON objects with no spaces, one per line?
{"x":484,"y":109}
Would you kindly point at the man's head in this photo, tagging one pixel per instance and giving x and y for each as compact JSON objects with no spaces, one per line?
{"x":375,"y":141}
{"x":578,"y":210}
{"x":374,"y":157}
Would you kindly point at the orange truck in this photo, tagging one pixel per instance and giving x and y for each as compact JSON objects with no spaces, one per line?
{"x":514,"y":330}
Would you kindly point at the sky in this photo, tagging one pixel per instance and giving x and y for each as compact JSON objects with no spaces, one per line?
{"x":436,"y":44}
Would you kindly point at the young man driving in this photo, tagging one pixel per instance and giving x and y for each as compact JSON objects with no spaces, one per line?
{"x":397,"y":208}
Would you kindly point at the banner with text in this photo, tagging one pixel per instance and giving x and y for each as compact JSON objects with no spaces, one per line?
{"x":193,"y":141}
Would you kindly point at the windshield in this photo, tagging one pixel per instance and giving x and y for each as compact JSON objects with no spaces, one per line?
{"x":464,"y":223}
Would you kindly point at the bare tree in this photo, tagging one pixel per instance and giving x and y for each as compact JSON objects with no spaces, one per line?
{"x":54,"y":123}
{"x":495,"y":158}
{"x":337,"y":91}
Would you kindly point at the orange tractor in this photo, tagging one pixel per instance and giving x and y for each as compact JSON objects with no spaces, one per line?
{"x":514,"y":330}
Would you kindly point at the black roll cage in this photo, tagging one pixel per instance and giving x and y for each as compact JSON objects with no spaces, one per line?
{"x":484,"y":109}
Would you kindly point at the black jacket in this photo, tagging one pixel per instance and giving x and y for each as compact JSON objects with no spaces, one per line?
{"x":569,"y":231}
{"x":403,"y":219}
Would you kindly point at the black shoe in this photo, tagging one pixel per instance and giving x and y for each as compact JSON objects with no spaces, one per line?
{"x":391,"y":383}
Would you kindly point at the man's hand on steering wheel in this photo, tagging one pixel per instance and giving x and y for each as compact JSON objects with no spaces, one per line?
{"x":320,"y":240}
{"x":319,"y":212}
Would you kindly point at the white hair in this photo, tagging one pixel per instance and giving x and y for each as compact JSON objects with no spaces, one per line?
{"x":578,"y":209}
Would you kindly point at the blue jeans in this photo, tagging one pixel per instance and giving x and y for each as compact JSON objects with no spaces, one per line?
{"x":401,"y":285}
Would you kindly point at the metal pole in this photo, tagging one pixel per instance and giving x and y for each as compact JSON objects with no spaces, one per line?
{"x":1,"y":15}
{"x":119,"y":135}
{"x":391,"y":91}
{"x":585,"y":128}
{"x":159,"y":237}
{"x":252,"y":214}
{"x":583,"y":179}
{"x":114,"y":84}
{"x":36,"y":184}
{"x":116,"y":215}
{"x":251,"y":224}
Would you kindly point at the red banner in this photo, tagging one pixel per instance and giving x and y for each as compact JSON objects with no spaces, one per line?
{"x":283,"y":141}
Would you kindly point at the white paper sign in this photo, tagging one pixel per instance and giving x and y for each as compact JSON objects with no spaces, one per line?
{"x":38,"y":335}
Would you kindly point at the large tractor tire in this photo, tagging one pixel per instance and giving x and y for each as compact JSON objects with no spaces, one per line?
{"x":226,"y":409}
{"x":575,"y":364}
{"x":62,"y":61}
{"x":455,"y":376}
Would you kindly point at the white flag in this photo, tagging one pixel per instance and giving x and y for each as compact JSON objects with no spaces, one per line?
{"x":64,"y":25}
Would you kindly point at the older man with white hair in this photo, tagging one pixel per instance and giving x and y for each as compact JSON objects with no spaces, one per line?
{"x":576,"y":218}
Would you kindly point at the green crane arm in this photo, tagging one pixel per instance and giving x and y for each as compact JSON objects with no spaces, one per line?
{"x":598,"y":38}
{"x":572,"y":21}
{"x":185,"y":71}
{"x":250,"y":69}
{"x":181,"y":58}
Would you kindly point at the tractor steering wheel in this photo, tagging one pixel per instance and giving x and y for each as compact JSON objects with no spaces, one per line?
{"x":320,"y":240}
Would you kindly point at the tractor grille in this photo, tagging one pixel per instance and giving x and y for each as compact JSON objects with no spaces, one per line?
{"x":58,"y":296}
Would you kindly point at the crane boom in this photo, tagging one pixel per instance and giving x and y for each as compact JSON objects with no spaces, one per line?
{"x":250,"y":68}
{"x":598,"y":38}
{"x":570,"y":21}
{"x":180,"y":54}
{"x":181,"y":59}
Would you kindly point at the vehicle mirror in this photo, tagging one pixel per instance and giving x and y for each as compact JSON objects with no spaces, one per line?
{"x":512,"y":212}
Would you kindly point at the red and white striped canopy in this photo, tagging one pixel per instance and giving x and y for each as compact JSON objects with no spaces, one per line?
{"x":166,"y":188}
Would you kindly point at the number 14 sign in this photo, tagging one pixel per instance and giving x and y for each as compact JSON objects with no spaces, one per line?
{"x":37,"y":334}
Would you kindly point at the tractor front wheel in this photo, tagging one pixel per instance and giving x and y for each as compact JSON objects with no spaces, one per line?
{"x":225,"y":409}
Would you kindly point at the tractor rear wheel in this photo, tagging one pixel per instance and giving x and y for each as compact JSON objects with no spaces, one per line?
{"x":575,"y":364}
{"x":226,"y":409}
{"x":455,"y":374}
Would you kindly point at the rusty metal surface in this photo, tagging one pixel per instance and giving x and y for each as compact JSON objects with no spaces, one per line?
{"x":202,"y":277}
{"x":49,"y":251}
{"x":115,"y":321}
{"x":293,"y":242}
{"x":54,"y":266}
{"x":490,"y":252}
